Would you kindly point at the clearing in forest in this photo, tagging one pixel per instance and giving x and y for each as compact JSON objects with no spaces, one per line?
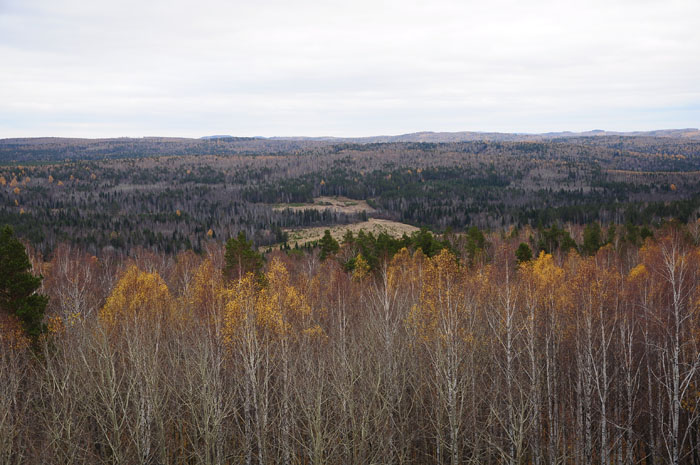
{"x":337,"y":204}
{"x":373,"y":225}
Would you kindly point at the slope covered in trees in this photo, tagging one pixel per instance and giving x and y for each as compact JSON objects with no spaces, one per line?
{"x":450,"y":350}
{"x":124,"y":193}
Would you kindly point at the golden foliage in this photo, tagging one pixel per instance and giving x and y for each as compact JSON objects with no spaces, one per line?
{"x":441,"y":299}
{"x":207,"y":295}
{"x":279,"y":309}
{"x":361,"y":268}
{"x":138,"y":294}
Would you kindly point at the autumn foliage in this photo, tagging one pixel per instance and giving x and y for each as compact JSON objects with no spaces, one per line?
{"x":453,"y":358}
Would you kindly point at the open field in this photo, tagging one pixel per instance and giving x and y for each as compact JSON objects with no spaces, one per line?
{"x":373,"y":225}
{"x":337,"y":204}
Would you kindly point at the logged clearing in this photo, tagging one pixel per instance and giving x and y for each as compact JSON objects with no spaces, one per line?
{"x":373,"y":225}
{"x":337,"y":204}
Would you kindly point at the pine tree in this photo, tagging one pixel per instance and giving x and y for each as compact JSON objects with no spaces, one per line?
{"x":329,"y":246}
{"x":241,"y":258}
{"x":18,"y":286}
{"x":524,"y":253}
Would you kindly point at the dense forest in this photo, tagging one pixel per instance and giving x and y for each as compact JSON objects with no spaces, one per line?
{"x":171,"y":195}
{"x":556,"y":345}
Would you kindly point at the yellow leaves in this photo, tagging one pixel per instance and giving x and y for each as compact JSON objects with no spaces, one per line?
{"x":442,"y":299}
{"x":60,"y":183}
{"x":178,"y":212}
{"x":55,"y":325}
{"x":207,"y":294}
{"x":279,"y":310}
{"x":361,"y":268}
{"x":210,"y":233}
{"x":673,"y":187}
{"x":239,"y":308}
{"x":138,"y":295}
{"x":543,"y":271}
{"x":21,"y":211}
{"x":93,"y":176}
{"x":3,"y":181}
{"x":50,"y":179}
{"x":13,"y":183}
{"x":323,"y":183}
{"x":16,"y":190}
{"x":403,"y":268}
{"x":637,"y":273}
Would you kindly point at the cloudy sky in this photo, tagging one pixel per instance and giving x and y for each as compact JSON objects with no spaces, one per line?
{"x":346,"y":68}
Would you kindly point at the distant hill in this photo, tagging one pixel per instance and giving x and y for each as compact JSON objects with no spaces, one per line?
{"x":468,"y":136}
{"x":669,"y":141}
{"x":217,"y":136}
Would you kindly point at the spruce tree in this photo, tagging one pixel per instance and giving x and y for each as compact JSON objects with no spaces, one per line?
{"x":18,"y":285}
{"x":329,"y":246}
{"x":241,"y":258}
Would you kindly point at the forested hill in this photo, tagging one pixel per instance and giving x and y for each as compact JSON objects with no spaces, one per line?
{"x":172,"y":194}
{"x":23,"y":150}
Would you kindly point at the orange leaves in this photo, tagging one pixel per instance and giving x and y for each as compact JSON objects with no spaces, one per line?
{"x":138,"y":295}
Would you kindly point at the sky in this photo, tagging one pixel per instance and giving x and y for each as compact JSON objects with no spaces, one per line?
{"x":96,"y":68}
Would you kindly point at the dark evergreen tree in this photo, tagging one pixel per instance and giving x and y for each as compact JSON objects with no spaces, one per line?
{"x":591,"y":239}
{"x":241,"y":258}
{"x":523,"y":253}
{"x":18,"y":285}
{"x":329,"y":246}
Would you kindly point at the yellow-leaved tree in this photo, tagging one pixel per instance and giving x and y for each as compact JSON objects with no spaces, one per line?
{"x":138,"y":295}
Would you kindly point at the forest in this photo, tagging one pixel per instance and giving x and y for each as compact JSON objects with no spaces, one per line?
{"x":571,"y":345}
{"x":172,"y":195}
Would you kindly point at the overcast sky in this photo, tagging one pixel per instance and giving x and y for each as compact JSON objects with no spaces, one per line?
{"x":97,"y":68}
